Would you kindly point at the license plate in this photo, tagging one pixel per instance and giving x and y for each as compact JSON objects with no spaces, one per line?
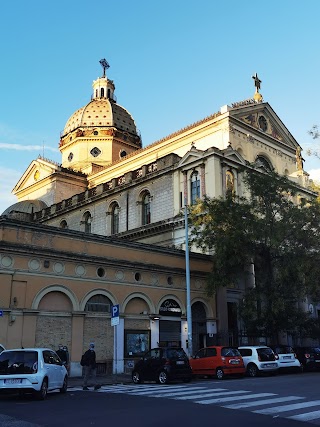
{"x":13,"y":381}
{"x":180,"y":362}
{"x":270,"y":365}
{"x":287,"y":357}
{"x":234,"y":362}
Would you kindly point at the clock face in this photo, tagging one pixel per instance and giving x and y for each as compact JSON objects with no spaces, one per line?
{"x":263,"y":124}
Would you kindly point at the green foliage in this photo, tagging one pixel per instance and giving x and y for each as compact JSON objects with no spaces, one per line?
{"x":269,"y":230}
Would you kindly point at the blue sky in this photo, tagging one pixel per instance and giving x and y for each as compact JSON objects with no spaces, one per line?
{"x":173,"y":62}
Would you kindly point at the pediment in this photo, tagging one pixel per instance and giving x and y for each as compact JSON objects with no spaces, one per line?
{"x":191,"y":156}
{"x":263,"y":119}
{"x":231,"y":155}
{"x":37,"y":171}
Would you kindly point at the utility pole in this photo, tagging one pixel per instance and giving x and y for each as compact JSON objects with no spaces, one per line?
{"x":189,"y":314}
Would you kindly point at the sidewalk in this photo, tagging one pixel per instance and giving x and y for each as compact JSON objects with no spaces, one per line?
{"x":102,"y":380}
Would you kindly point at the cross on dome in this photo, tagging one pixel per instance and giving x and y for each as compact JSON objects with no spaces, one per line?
{"x":104,"y":65}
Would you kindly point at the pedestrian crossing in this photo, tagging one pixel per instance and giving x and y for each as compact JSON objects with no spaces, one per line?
{"x":291,"y":407}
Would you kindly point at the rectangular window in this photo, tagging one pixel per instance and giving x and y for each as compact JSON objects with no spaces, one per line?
{"x":137,"y":342}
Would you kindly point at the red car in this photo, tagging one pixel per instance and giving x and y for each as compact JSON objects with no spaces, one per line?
{"x":218,"y":361}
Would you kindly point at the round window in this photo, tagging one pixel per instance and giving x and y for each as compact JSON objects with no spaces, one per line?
{"x":101,"y":272}
{"x":137,"y":277}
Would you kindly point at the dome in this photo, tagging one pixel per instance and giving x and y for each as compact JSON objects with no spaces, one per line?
{"x":25,"y":206}
{"x":101,"y":112}
{"x":99,"y":133}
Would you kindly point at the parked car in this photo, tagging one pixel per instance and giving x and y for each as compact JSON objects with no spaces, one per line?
{"x":309,"y":357}
{"x":258,"y":359}
{"x":35,"y":370}
{"x":162,"y":365}
{"x":1,"y":348}
{"x":286,"y":358}
{"x":219,"y":361}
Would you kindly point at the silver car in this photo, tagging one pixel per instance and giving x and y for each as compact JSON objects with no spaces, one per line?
{"x":36,"y":370}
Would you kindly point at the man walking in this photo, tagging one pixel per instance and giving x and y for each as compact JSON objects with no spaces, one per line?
{"x":88,"y":361}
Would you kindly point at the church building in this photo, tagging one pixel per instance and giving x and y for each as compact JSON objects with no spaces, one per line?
{"x":106,"y":227}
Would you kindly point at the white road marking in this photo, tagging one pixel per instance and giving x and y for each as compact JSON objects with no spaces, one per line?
{"x":229,"y":399}
{"x":263,"y":402}
{"x":286,"y":408}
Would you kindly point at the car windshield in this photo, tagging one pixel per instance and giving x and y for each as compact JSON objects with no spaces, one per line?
{"x":18,"y":362}
{"x":265,"y":354}
{"x":176,"y":353}
{"x":229,"y":351}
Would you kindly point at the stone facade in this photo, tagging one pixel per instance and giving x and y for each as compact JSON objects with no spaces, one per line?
{"x":54,"y":283}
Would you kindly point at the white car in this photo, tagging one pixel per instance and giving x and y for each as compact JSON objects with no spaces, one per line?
{"x":258,"y":358}
{"x":286,"y":357}
{"x":36,"y":370}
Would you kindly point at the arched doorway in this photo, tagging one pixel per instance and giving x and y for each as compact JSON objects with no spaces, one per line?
{"x":54,"y":321}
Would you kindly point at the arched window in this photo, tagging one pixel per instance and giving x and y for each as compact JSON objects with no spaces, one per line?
{"x":261,"y":161}
{"x":115,"y":211}
{"x":109,"y":94}
{"x":87,"y":219}
{"x":63,"y":224}
{"x":195,"y":187}
{"x":146,"y":214}
{"x":98,"y":303}
{"x":102,"y":92}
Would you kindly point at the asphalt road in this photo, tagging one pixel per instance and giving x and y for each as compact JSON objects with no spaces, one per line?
{"x":202,"y":402}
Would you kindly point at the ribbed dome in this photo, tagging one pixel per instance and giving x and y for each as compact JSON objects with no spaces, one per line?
{"x":26,"y":206}
{"x":101,"y":112}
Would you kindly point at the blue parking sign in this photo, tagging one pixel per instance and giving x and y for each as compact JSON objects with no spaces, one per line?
{"x":1,"y":313}
{"x":115,"y":312}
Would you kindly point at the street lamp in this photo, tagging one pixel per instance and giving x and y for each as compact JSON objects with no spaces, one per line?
{"x":189,"y":314}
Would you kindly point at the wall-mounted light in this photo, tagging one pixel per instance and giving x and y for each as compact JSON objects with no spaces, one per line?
{"x":12,"y":319}
{"x":154,"y":316}
{"x":15,"y":300}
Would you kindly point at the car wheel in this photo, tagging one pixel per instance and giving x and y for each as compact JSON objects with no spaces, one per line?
{"x":64,"y":387}
{"x":42,"y":393}
{"x":162,"y":377}
{"x":252,"y":370}
{"x":219,"y":373}
{"x":136,"y":377}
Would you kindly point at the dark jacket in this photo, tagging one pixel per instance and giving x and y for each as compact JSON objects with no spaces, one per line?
{"x":63,"y":355}
{"x":89,"y":359}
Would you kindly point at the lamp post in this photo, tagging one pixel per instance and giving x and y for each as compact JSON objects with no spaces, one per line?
{"x":189,"y":314}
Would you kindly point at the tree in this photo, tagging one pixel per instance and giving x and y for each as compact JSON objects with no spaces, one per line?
{"x":314,"y":132}
{"x":278,"y":236}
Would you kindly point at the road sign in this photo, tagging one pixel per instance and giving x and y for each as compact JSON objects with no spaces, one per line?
{"x":115,"y":311}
